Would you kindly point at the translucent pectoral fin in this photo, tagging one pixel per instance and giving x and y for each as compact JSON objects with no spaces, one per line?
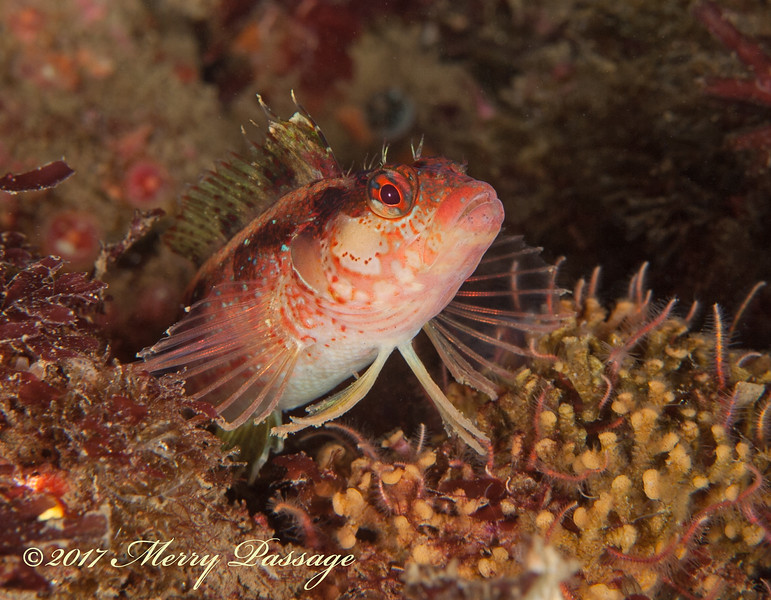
{"x":339,"y":403}
{"x":229,"y":354}
{"x":452,"y":417}
{"x":463,"y":371}
{"x":484,"y":331}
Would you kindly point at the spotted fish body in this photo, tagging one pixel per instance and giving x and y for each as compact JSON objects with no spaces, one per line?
{"x":315,"y":275}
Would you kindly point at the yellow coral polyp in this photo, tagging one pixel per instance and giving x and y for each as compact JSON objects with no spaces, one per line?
{"x":743,"y":451}
{"x":546,"y":449}
{"x":423,"y":554}
{"x":392,"y":477}
{"x":567,"y":419}
{"x":679,"y":460}
{"x":668,"y":441}
{"x":731,"y":492}
{"x":346,"y":536}
{"x":600,"y":591}
{"x":548,"y":422}
{"x":412,"y":472}
{"x":651,"y":484}
{"x":689,"y":431}
{"x":753,"y":534}
{"x":737,"y":470}
{"x":699,"y":482}
{"x":470,"y":506}
{"x":621,"y":484}
{"x":592,"y":460}
{"x":652,"y":367}
{"x":646,"y":579}
{"x":619,"y":407}
{"x":623,"y":403}
{"x":602,"y":506}
{"x":643,"y":422}
{"x":544,"y":520}
{"x":508,"y":507}
{"x":658,"y":393}
{"x":500,"y":554}
{"x":623,"y":537}
{"x":719,"y":433}
{"x":581,"y":517}
{"x":423,"y":510}
{"x":608,"y":440}
{"x":349,"y":503}
{"x":723,"y":457}
{"x":487,"y":568}
{"x":427,"y":459}
{"x":730,"y":531}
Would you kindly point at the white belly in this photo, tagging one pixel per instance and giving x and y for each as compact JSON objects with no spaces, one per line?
{"x":320,"y":368}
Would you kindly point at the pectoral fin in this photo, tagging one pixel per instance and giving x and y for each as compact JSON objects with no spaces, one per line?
{"x":483,"y":331}
{"x":229,"y":354}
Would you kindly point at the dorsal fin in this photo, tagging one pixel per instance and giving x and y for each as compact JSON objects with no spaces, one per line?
{"x":228,"y":198}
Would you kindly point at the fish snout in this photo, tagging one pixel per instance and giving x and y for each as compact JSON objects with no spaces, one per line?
{"x":475,"y":209}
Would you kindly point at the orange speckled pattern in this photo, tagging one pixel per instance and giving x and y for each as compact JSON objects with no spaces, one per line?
{"x":331,"y":276}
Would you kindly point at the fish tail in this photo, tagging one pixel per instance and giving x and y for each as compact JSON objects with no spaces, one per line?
{"x":255,"y":443}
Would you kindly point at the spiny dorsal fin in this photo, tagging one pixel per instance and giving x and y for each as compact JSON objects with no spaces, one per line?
{"x":228,"y":198}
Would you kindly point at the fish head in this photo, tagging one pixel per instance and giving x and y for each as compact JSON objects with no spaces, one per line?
{"x":403,"y":234}
{"x":454,"y":220}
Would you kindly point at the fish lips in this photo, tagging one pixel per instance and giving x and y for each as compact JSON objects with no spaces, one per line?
{"x":465,"y":226}
{"x":474,"y":210}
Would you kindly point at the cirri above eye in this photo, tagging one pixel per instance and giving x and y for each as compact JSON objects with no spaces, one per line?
{"x":391,"y":192}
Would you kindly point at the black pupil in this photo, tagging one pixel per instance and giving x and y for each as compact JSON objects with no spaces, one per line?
{"x":390,"y":195}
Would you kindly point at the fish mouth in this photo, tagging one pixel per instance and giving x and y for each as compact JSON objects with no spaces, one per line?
{"x":483,"y":212}
{"x":463,"y":227}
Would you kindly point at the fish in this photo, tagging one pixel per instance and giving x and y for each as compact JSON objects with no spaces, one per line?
{"x":310,"y":277}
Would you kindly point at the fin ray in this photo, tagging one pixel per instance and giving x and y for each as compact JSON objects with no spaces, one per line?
{"x":459,"y":367}
{"x":502,"y":318}
{"x":227,"y":354}
{"x":452,"y":417}
{"x":483,"y":331}
{"x":269,"y":396}
{"x":236,"y":191}
{"x":456,"y":349}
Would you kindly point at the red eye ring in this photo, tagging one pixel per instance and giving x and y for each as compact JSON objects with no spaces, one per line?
{"x":391,"y":192}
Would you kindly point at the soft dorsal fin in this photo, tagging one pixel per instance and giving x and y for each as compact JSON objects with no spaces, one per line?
{"x":228,"y":198}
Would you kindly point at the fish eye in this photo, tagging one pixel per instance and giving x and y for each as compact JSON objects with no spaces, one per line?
{"x":391,"y":192}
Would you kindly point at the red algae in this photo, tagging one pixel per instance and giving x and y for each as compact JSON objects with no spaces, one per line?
{"x":95,"y":456}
